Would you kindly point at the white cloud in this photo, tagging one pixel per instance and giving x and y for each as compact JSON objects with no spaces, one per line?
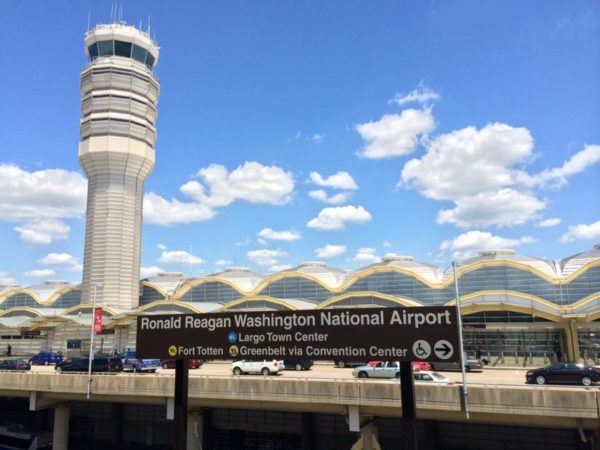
{"x":279,"y":268}
{"x":272,"y":235}
{"x":503,"y":208}
{"x":336,"y":218}
{"x":160,"y":211}
{"x":43,"y":232}
{"x":340,"y":180}
{"x":336,"y":199}
{"x":243,"y":243}
{"x":366,"y":255}
{"x":223,"y":262}
{"x":266,"y":257}
{"x":386,"y":244}
{"x":330,"y":251}
{"x":549,"y":223}
{"x":161,"y":247}
{"x":421,"y":94}
{"x":37,"y":201}
{"x":6,"y":280}
{"x":150,"y":272}
{"x":41,"y":273}
{"x":218,"y":188}
{"x":469,"y":161}
{"x":58,"y":259}
{"x":557,"y":177}
{"x":482,"y":172}
{"x":318,"y":138}
{"x":395,"y":134}
{"x":45,"y":194}
{"x":582,"y":232}
{"x":251,"y":181}
{"x":180,"y":257}
{"x":471,"y":243}
{"x":77,"y":267}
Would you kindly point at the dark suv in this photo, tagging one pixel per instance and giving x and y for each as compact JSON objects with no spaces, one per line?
{"x":101,"y":364}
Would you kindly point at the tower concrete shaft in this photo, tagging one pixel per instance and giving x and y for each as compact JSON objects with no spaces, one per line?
{"x":119,"y":97}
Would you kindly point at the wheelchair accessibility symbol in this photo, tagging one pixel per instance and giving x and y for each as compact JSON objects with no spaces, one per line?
{"x":421,"y":349}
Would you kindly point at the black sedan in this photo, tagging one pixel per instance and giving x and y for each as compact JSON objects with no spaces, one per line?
{"x":14,"y":364}
{"x":564,"y":373}
{"x":298,"y":364}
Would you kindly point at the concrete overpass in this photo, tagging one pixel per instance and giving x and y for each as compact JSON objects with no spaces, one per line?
{"x":358,"y":400}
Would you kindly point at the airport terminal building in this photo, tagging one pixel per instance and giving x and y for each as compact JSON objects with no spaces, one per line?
{"x":519,"y":310}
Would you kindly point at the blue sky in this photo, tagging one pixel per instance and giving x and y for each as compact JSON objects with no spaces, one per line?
{"x":302,"y":131}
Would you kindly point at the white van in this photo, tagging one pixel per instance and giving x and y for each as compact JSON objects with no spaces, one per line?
{"x":265,"y":367}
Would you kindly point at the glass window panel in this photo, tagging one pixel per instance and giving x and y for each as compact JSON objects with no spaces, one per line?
{"x":105,"y":48}
{"x":138,"y":53}
{"x":123,"y":49}
{"x":149,"y":60}
{"x":93,"y":49}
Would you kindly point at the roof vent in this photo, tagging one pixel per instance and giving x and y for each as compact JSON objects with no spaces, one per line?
{"x":497,"y":252}
{"x":391,"y":258}
{"x":312,"y":263}
{"x":236,"y":269}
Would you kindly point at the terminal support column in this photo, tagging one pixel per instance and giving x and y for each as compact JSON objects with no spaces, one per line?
{"x":195,"y":431}
{"x":572,"y":350}
{"x":60,"y":439}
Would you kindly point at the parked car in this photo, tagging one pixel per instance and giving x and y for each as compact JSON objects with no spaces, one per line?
{"x":347,"y":363}
{"x":427,"y":376}
{"x":298,"y":364}
{"x":416,"y":365}
{"x":115,"y":364}
{"x":45,"y":358}
{"x":15,"y":364}
{"x":564,"y":373}
{"x":170,"y":363}
{"x":133,"y":364}
{"x":101,"y":364}
{"x":265,"y":367}
{"x":380,"y":370}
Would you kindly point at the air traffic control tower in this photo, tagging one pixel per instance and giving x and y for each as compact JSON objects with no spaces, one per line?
{"x":119,"y":97}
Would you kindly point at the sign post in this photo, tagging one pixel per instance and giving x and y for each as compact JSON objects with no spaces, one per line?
{"x":384,"y":334}
{"x":181,"y":404}
{"x":409,"y":407}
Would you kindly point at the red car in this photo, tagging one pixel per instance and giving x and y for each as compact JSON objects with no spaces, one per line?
{"x":170,"y":363}
{"x":417,"y":366}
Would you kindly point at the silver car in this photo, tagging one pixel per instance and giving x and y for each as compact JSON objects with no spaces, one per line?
{"x":379,"y":370}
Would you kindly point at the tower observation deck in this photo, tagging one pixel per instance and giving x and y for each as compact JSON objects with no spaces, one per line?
{"x":119,"y":97}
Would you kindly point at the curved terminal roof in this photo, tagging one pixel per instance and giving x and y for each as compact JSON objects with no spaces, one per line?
{"x":430,"y":272}
{"x":7,"y":287}
{"x":573,"y":263}
{"x":47,"y":289}
{"x":329,"y":276}
{"x":546,"y":267}
{"x":241,"y":277}
{"x":167,"y":281}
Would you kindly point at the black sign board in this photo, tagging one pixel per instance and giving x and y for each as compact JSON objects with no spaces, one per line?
{"x":385,"y":334}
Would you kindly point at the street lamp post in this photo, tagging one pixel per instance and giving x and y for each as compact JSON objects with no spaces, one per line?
{"x":91,"y":355}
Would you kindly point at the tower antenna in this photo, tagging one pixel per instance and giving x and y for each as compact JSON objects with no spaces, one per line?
{"x":111,"y":12}
{"x":148,"y":25}
{"x":89,"y":18}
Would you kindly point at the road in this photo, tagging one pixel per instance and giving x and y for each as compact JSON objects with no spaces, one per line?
{"x":328,"y":371}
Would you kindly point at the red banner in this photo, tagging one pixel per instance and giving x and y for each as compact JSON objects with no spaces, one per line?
{"x":98,"y":320}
